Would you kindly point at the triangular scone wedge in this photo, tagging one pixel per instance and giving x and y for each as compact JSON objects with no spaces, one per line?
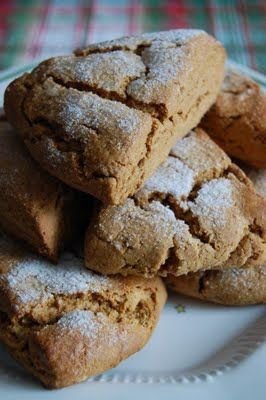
{"x":198,"y":211}
{"x":34,"y":206}
{"x":237,"y":120}
{"x":233,"y":286}
{"x":103,"y":120}
{"x":65,"y":323}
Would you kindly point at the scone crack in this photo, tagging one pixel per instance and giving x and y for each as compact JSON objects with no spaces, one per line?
{"x":156,"y":111}
{"x":41,"y":293}
{"x":65,"y":143}
{"x":154,"y":68}
{"x":96,"y":304}
{"x":136,"y":44}
{"x":247,"y":247}
{"x":104,"y":94}
{"x":202,"y":281}
{"x":187,"y":207}
{"x":182,"y":204}
{"x":121,"y":110}
{"x":113,"y":48}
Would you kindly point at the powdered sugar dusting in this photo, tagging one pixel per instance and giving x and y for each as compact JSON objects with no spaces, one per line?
{"x":111,"y":69}
{"x":213,"y":201}
{"x":179,"y":36}
{"x":99,"y":114}
{"x":164,"y":219}
{"x":196,"y":147}
{"x":164,"y":67}
{"x":191,"y":144}
{"x":174,"y":35}
{"x":173,"y":177}
{"x":85,"y":321}
{"x":164,"y":57}
{"x":95,"y":326}
{"x":108,"y":71}
{"x":35,"y":280}
{"x":233,"y":275}
{"x":242,"y":277}
{"x":125,"y":223}
{"x":181,"y":234}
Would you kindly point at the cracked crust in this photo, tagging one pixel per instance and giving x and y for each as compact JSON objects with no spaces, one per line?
{"x":64,"y":323}
{"x":197,"y":211}
{"x":229,"y":287}
{"x":103,"y":120}
{"x":232,"y":287}
{"x":237,"y":121}
{"x":34,"y":206}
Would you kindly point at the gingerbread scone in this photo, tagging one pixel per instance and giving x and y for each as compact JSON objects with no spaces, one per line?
{"x":64,"y":323}
{"x":103,"y":120}
{"x":198,"y":211}
{"x":237,"y":120}
{"x":229,"y":287}
{"x":232,"y":287}
{"x":34,"y":206}
{"x":258,"y":177}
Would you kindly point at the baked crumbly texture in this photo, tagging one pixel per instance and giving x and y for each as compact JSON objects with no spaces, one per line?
{"x":258,"y":177}
{"x":237,"y":120}
{"x":198,"y":211}
{"x":64,"y":323}
{"x":232,"y":287}
{"x":103,"y":120}
{"x":34,"y":206}
{"x":229,"y":287}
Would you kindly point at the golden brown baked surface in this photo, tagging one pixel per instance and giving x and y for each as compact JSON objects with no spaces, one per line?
{"x":232,"y":286}
{"x":64,"y":323}
{"x":237,"y":120}
{"x":198,"y":211}
{"x":103,"y":120}
{"x":34,"y":206}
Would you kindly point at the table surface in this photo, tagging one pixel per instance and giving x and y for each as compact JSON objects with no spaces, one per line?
{"x":36,"y":29}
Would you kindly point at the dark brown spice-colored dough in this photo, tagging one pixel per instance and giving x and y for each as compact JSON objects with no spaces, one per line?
{"x":197,"y":211}
{"x":237,"y":120}
{"x":35,"y":206}
{"x":104,"y":119}
{"x":64,"y":323}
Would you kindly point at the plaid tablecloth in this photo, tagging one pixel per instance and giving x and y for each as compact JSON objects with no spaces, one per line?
{"x":36,"y":29}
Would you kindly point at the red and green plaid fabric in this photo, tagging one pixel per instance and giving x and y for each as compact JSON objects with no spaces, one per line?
{"x":36,"y":29}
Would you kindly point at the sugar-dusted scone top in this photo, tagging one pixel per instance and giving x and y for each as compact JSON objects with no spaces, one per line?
{"x":237,"y":120}
{"x":103,"y":120}
{"x":233,"y":286}
{"x":198,"y":211}
{"x":64,"y":323}
{"x":34,"y":206}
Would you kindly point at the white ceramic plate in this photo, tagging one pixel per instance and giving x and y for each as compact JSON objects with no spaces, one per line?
{"x":203,"y":352}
